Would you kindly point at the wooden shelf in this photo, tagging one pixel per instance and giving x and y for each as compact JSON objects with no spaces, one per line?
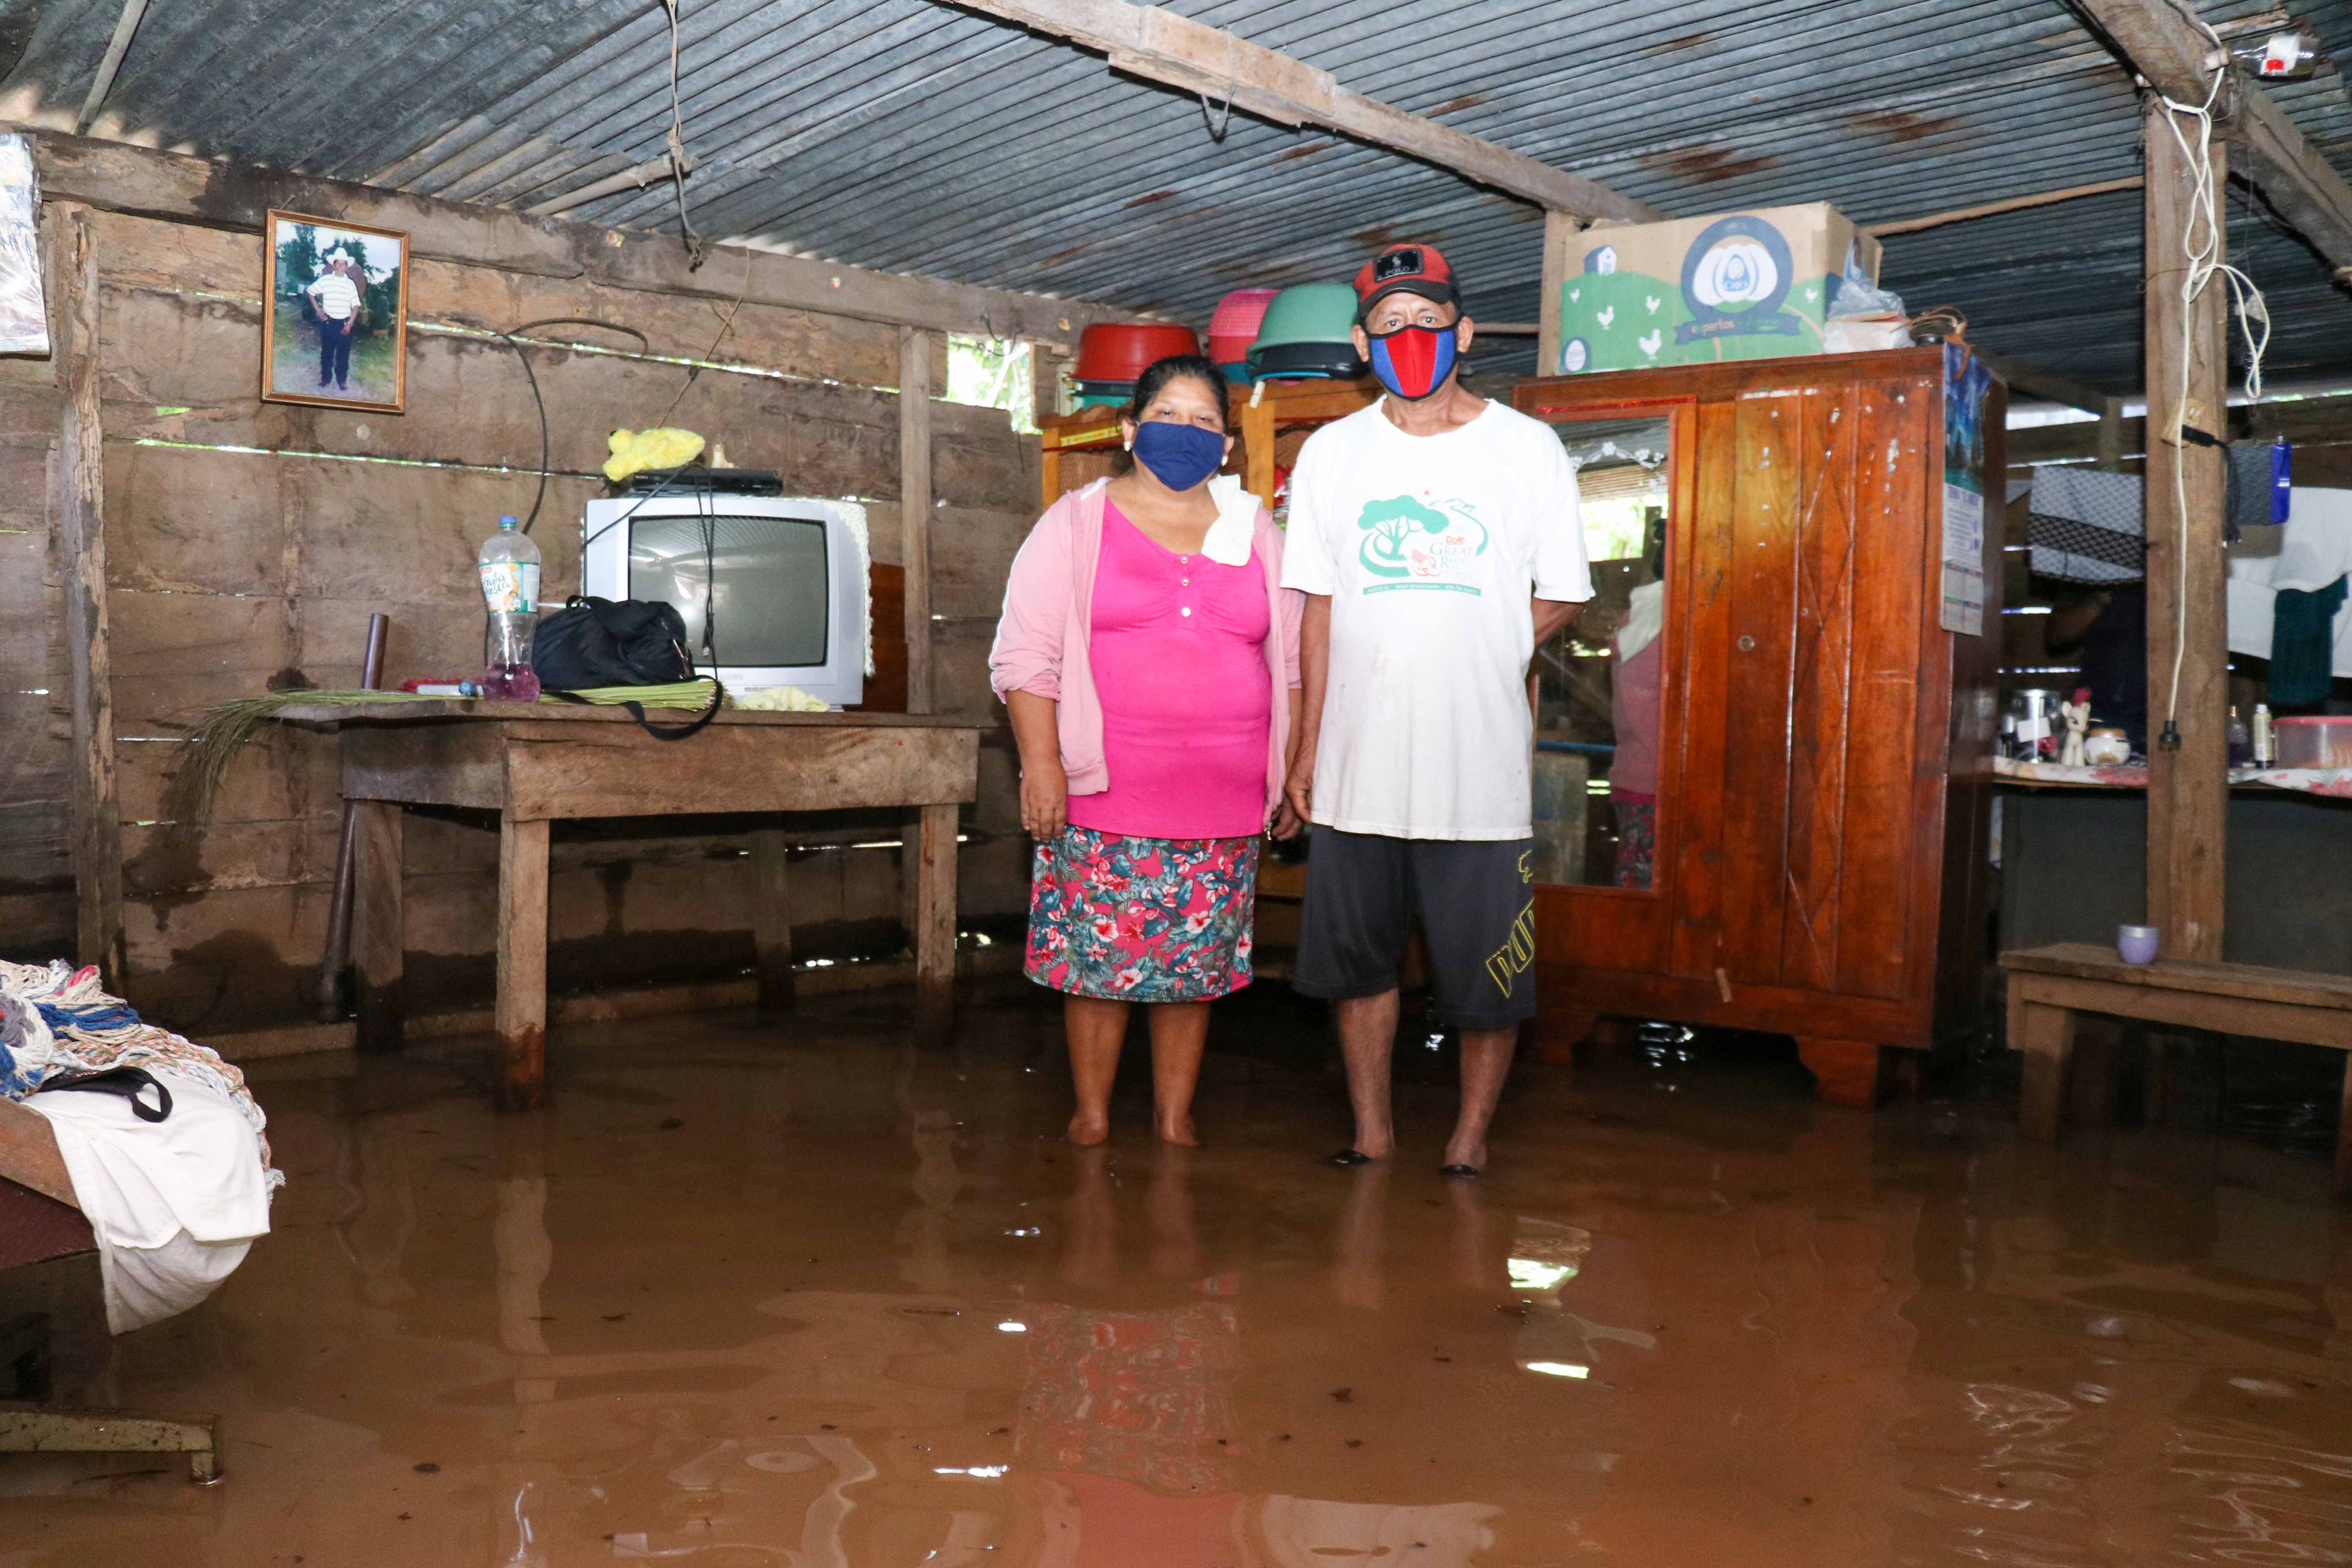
{"x":1076,"y":448}
{"x":1273,"y":407}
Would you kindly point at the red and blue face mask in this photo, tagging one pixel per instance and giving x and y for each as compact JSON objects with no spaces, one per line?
{"x":1413,"y":362}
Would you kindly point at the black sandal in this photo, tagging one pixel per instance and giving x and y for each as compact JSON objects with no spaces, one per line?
{"x":1347,"y":1159}
{"x":1461,"y":1172}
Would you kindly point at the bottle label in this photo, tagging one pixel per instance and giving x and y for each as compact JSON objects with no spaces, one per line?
{"x":511,"y":587}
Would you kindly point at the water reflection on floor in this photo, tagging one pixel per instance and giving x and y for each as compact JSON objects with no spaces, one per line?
{"x":811,"y":1294}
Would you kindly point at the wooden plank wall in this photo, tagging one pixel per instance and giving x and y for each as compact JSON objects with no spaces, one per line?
{"x":37,"y":898}
{"x":250,"y":541}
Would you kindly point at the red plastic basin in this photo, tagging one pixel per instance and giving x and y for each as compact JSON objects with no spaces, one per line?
{"x":1237,"y":315}
{"x":1110,"y":351}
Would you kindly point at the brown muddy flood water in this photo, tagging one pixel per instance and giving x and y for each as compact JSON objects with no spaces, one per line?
{"x":811,"y":1293}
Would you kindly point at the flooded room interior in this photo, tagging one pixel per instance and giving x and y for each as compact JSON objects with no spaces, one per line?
{"x":1119,"y":785}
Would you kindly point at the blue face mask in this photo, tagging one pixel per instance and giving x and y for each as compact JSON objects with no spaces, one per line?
{"x":1178,"y":455}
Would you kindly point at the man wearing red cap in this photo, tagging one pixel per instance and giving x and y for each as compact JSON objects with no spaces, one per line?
{"x":1436,"y":537}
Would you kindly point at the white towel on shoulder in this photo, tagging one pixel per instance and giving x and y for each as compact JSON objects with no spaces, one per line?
{"x":1234,"y":533}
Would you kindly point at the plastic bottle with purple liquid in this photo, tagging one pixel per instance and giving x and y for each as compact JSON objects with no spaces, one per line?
{"x":508,"y":566}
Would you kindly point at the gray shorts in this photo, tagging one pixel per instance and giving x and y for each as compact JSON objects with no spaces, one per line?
{"x":1475,"y":898}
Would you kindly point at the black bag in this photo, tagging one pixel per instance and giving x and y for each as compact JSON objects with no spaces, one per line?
{"x":128,"y":1082}
{"x":596,"y":642}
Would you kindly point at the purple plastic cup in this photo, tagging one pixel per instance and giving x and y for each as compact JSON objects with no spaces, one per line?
{"x":2136,"y":945}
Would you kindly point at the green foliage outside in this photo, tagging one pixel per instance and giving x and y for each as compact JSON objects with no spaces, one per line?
{"x":993,"y":372}
{"x":1614,"y":527}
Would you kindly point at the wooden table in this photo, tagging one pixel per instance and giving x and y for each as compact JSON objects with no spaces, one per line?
{"x":2048,"y":985}
{"x":535,"y":764}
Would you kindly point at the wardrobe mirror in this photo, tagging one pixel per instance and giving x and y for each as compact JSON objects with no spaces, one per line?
{"x":1599,"y":682}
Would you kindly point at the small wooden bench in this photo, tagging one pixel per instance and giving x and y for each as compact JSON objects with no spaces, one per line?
{"x":2048,"y":985}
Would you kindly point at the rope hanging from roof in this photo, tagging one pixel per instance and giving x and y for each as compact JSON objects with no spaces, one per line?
{"x":1219,"y":120}
{"x":681,"y":162}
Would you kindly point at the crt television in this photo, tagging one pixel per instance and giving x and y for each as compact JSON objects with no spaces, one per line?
{"x":780,"y":580}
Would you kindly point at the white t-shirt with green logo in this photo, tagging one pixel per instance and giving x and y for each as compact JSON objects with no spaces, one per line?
{"x":1430,"y":547}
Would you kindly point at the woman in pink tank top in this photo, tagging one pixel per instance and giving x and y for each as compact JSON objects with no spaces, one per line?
{"x":1149,"y":656}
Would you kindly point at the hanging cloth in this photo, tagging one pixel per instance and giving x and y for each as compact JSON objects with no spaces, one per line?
{"x":2303,"y":644}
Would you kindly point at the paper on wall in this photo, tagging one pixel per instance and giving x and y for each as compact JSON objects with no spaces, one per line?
{"x":1964,"y":582}
{"x":1966,"y":382}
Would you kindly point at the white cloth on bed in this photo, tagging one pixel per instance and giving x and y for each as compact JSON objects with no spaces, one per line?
{"x":174,"y":1204}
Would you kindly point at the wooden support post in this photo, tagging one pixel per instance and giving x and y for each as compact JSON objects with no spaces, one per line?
{"x":96,"y":815}
{"x":521,"y":1017}
{"x":2090,"y":1076}
{"x":2156,"y":1094}
{"x":2167,"y":45}
{"x":915,"y":508}
{"x":1559,"y":230}
{"x":376,"y":925}
{"x":934,"y":863}
{"x":1258,"y":444}
{"x":2111,"y":435}
{"x":2187,"y":788}
{"x":914,"y":523}
{"x":2046,"y":1035}
{"x":771,"y":916}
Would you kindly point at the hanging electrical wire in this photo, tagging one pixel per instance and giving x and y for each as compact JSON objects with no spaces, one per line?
{"x":545,"y":444}
{"x":681,"y":162}
{"x":2202,"y":239}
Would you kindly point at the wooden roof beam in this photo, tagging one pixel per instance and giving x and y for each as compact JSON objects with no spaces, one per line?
{"x":2169,"y":51}
{"x":126,"y":27}
{"x":115,"y":176}
{"x":1176,"y":51}
{"x":2045,"y":384}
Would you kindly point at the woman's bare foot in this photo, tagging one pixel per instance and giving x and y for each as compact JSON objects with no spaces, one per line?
{"x":1178,"y":1130}
{"x":1466,"y":1152}
{"x":1085,"y":1131}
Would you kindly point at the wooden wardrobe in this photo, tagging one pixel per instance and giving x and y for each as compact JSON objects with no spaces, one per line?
{"x":1823,"y":741}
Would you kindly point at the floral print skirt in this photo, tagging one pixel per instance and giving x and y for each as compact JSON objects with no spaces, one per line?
{"x":1141,"y":919}
{"x":1637,"y":841}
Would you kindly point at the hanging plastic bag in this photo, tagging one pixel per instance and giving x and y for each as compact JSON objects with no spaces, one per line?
{"x":24,"y":311}
{"x":1863,"y":317}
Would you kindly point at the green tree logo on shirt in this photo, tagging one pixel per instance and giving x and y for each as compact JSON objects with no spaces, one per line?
{"x":1406,"y":540}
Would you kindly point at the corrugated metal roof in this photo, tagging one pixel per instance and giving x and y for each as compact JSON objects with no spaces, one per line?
{"x":906,"y":136}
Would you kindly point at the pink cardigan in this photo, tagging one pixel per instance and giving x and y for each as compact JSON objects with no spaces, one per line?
{"x":1042,"y":638}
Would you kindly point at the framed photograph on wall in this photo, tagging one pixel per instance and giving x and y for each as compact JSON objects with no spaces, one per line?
{"x":334,"y":314}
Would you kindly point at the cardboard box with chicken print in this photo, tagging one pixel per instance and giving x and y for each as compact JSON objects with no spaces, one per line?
{"x":1753,"y":285}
